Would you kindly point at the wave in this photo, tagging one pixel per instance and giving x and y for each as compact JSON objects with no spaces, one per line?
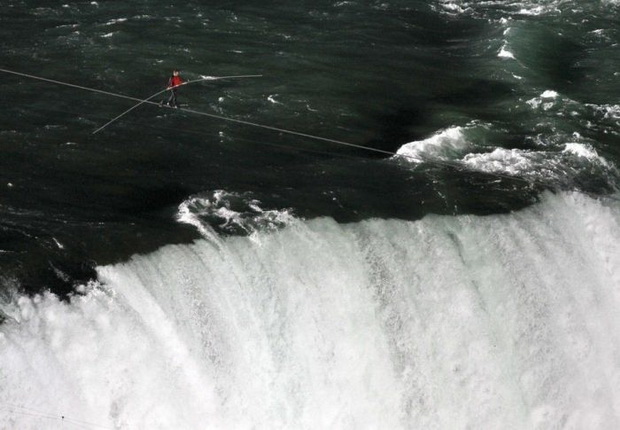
{"x":504,"y":321}
{"x":556,"y":160}
{"x":442,"y":145}
{"x":231,"y":213}
{"x":565,"y":166}
{"x":518,"y":8}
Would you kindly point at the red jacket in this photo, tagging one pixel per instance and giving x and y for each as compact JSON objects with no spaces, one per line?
{"x":174,"y":81}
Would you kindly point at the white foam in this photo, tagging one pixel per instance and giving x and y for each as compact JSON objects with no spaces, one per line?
{"x":490,"y":9}
{"x":272,"y":99}
{"x":547,"y":165}
{"x":583,"y":150}
{"x":505,"y":53}
{"x":547,"y":100}
{"x":505,"y":321}
{"x":453,"y":7}
{"x":552,"y":163}
{"x":501,"y":160}
{"x":608,"y":111}
{"x":549,"y":94}
{"x":231,"y":213}
{"x":97,"y":361}
{"x":115,"y":21}
{"x":533,"y":11}
{"x":441,"y":146}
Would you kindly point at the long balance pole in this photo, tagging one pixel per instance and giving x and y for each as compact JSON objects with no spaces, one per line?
{"x":171,"y":88}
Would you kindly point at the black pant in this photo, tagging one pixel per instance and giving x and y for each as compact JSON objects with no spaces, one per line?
{"x":172,"y":100}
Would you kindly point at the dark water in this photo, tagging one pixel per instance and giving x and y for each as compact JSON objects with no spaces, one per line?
{"x":439,"y":251}
{"x":375,"y":74}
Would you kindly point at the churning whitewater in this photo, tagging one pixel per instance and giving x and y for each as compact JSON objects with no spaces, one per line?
{"x":411,"y":220}
{"x":506,"y":321}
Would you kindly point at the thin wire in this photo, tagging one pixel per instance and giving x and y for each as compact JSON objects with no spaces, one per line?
{"x":41,"y":414}
{"x":69,"y":85}
{"x":267,"y":127}
{"x":224,"y":118}
{"x":324,"y":152}
{"x":29,"y":411}
{"x":282,"y":130}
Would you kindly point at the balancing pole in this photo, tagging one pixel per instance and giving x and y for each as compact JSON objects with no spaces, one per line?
{"x":204,"y":78}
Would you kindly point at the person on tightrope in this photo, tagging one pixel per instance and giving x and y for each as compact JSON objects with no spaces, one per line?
{"x":173,"y":84}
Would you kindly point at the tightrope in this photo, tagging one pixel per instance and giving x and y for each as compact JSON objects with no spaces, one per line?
{"x":45,"y":415}
{"x":210,"y":115}
{"x":252,"y":124}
